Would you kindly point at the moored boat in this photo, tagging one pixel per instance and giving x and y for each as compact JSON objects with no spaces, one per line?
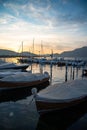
{"x":23,"y":79}
{"x":8,"y":65}
{"x":63,"y":120}
{"x":61,"y":96}
{"x":12,"y":72}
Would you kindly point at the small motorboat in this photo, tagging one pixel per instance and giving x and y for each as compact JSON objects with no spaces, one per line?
{"x":8,"y":65}
{"x":61,"y":96}
{"x":23,"y":79}
{"x":12,"y":72}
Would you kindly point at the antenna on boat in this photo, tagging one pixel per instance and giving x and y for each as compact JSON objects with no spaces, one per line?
{"x":51,"y":53}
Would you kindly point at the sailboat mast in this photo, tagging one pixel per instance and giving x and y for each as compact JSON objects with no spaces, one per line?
{"x":33,"y":45}
{"x":22,"y":49}
{"x":42,"y":48}
{"x":51,"y":53}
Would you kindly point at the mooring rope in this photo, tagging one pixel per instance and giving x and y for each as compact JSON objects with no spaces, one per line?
{"x":31,"y":100}
{"x":34,"y":92}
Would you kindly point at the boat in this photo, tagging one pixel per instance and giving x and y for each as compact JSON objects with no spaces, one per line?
{"x":8,"y":65}
{"x":18,"y":93}
{"x":64,"y":120}
{"x":23,"y":80}
{"x":12,"y":72}
{"x":61,"y":96}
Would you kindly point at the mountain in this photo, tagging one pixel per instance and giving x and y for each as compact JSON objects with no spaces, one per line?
{"x":7,"y":52}
{"x":4,"y":52}
{"x":27,"y":54}
{"x":80,"y":52}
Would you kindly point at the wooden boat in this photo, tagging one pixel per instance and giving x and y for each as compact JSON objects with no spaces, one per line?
{"x":12,"y":72}
{"x":17,"y":93}
{"x":61,"y":96}
{"x":63,"y":120}
{"x":23,"y":79}
{"x":7,"y":65}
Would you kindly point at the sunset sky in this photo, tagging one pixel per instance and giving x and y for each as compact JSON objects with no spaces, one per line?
{"x":60,"y":25}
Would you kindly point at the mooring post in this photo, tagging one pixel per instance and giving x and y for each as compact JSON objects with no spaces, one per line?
{"x":83,"y":70}
{"x":51,"y":65}
{"x":41,"y":67}
{"x":77,"y":71}
{"x":73,"y":71}
{"x":66,"y":67}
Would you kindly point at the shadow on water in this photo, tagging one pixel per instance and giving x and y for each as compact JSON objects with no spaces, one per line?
{"x":19,"y":93}
{"x":62,"y":120}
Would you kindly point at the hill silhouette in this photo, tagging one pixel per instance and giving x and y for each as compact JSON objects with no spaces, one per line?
{"x":79,"y":52}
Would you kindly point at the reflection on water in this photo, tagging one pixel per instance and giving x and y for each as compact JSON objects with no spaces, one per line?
{"x":14,"y":60}
{"x":58,"y":74}
{"x":18,"y":115}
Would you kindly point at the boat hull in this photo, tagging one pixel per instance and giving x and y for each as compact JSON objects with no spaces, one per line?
{"x":12,"y":85}
{"x":46,"y":107}
{"x":62,"y":119}
{"x":15,"y":94}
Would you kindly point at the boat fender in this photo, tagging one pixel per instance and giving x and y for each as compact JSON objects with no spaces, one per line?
{"x":46,"y":73}
{"x":34,"y":91}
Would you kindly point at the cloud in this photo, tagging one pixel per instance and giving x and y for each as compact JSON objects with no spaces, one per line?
{"x":50,"y":13}
{"x":29,"y":9}
{"x":54,"y":21}
{"x":6,"y":18}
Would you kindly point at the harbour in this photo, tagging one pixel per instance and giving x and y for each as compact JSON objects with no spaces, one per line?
{"x":18,"y":109}
{"x":43,"y":65}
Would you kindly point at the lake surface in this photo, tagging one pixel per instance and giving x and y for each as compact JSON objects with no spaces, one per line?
{"x":18,"y":111}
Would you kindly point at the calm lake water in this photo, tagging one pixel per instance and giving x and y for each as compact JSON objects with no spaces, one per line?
{"x":18,"y":112}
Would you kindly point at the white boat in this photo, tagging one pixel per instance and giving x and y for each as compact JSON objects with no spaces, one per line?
{"x":23,"y":79}
{"x":12,"y":72}
{"x":9,"y":65}
{"x":61,"y":96}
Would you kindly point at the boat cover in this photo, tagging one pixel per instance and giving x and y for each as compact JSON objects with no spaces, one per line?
{"x":25,"y":76}
{"x":11,"y":65}
{"x":64,"y":91}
